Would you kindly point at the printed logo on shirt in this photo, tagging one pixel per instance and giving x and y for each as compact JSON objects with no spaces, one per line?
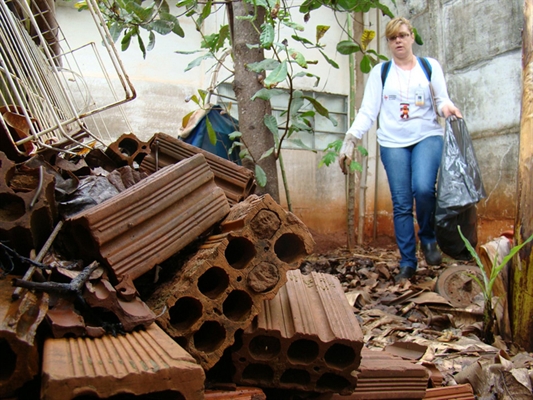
{"x":391,"y":97}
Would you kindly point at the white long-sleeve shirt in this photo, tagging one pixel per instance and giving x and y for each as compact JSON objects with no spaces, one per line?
{"x":401,"y":87}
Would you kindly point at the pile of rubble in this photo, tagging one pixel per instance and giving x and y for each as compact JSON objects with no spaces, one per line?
{"x":153,"y":269}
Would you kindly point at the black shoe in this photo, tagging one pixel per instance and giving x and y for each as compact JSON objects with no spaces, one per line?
{"x":405,"y":273}
{"x":431,"y":253}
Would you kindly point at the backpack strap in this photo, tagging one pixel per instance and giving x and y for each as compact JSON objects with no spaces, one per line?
{"x":426,"y":66}
{"x":424,"y":63}
{"x":385,"y":68}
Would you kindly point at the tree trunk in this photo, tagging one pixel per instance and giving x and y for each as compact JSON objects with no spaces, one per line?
{"x":255,"y":134}
{"x":522,"y":279}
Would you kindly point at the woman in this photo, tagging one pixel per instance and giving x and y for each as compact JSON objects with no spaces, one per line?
{"x":410,"y":140}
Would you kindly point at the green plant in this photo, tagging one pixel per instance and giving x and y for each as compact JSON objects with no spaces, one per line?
{"x":488,"y":282}
{"x":332,"y":152}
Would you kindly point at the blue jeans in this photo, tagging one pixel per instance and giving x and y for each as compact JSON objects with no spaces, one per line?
{"x":412,"y":174}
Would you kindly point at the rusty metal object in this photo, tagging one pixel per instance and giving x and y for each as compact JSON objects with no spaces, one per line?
{"x":456,"y":285}
{"x":18,"y":326}
{"x":305,"y":338}
{"x":236,"y":181}
{"x":151,"y":221}
{"x":137,"y":363}
{"x":27,"y":206}
{"x":220,"y":289}
{"x":127,"y":150}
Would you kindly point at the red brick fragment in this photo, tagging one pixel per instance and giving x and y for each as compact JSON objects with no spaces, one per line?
{"x":127,"y":150}
{"x":458,"y":392}
{"x":19,"y":320}
{"x":239,"y":393}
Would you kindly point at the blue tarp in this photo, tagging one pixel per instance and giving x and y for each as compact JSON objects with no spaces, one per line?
{"x":223,"y":124}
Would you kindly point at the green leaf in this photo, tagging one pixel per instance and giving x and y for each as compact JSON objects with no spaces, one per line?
{"x":279,"y":74}
{"x":329,"y":60}
{"x":309,"y":75}
{"x":151,"y":41}
{"x":293,"y":25}
{"x":115,"y":30}
{"x":206,"y":12}
{"x":296,"y":104}
{"x":245,"y":18}
{"x":267,"y":94}
{"x":177,"y":29}
{"x":321,"y":31}
{"x":161,"y":26}
{"x":362,"y":150}
{"x":141,"y":45}
{"x":210,"y":131}
{"x":266,"y":153}
{"x":266,"y":37}
{"x":347,"y":47}
{"x":327,"y":159}
{"x":321,"y":109}
{"x":271,"y":124}
{"x":235,"y":135}
{"x":300,"y":144}
{"x":298,"y":57}
{"x":126,"y":40}
{"x":260,"y":176}
{"x":355,"y":166}
{"x":203,"y":94}
{"x":196,"y":62}
{"x":302,"y":40}
{"x":265,"y":65}
{"x":418,"y":38}
{"x":142,"y":13}
{"x":366,"y":64}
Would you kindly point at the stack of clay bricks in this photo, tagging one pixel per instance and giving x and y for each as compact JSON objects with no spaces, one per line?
{"x":305,"y":338}
{"x":130,"y":234}
{"x":27,"y":205}
{"x":221,"y":288}
{"x":236,"y":181}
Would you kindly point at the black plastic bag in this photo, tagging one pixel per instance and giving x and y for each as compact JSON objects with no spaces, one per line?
{"x":459,"y":189}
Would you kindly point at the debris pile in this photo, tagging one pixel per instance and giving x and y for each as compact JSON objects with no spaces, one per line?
{"x":153,"y":269}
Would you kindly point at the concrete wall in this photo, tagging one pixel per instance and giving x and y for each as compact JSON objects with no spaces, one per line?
{"x":478,"y":43}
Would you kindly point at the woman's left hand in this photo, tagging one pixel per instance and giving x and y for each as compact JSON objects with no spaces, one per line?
{"x":450,"y":109}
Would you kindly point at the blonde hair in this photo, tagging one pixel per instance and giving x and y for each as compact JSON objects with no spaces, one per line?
{"x":394,"y":25}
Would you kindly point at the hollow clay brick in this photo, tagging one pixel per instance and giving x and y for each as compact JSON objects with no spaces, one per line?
{"x":19,"y":320}
{"x":305,"y":338}
{"x":152,"y":220}
{"x":25,"y":226}
{"x":236,"y":181}
{"x":127,"y":150}
{"x":220,"y":289}
{"x":382,"y":375}
{"x":137,"y":363}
